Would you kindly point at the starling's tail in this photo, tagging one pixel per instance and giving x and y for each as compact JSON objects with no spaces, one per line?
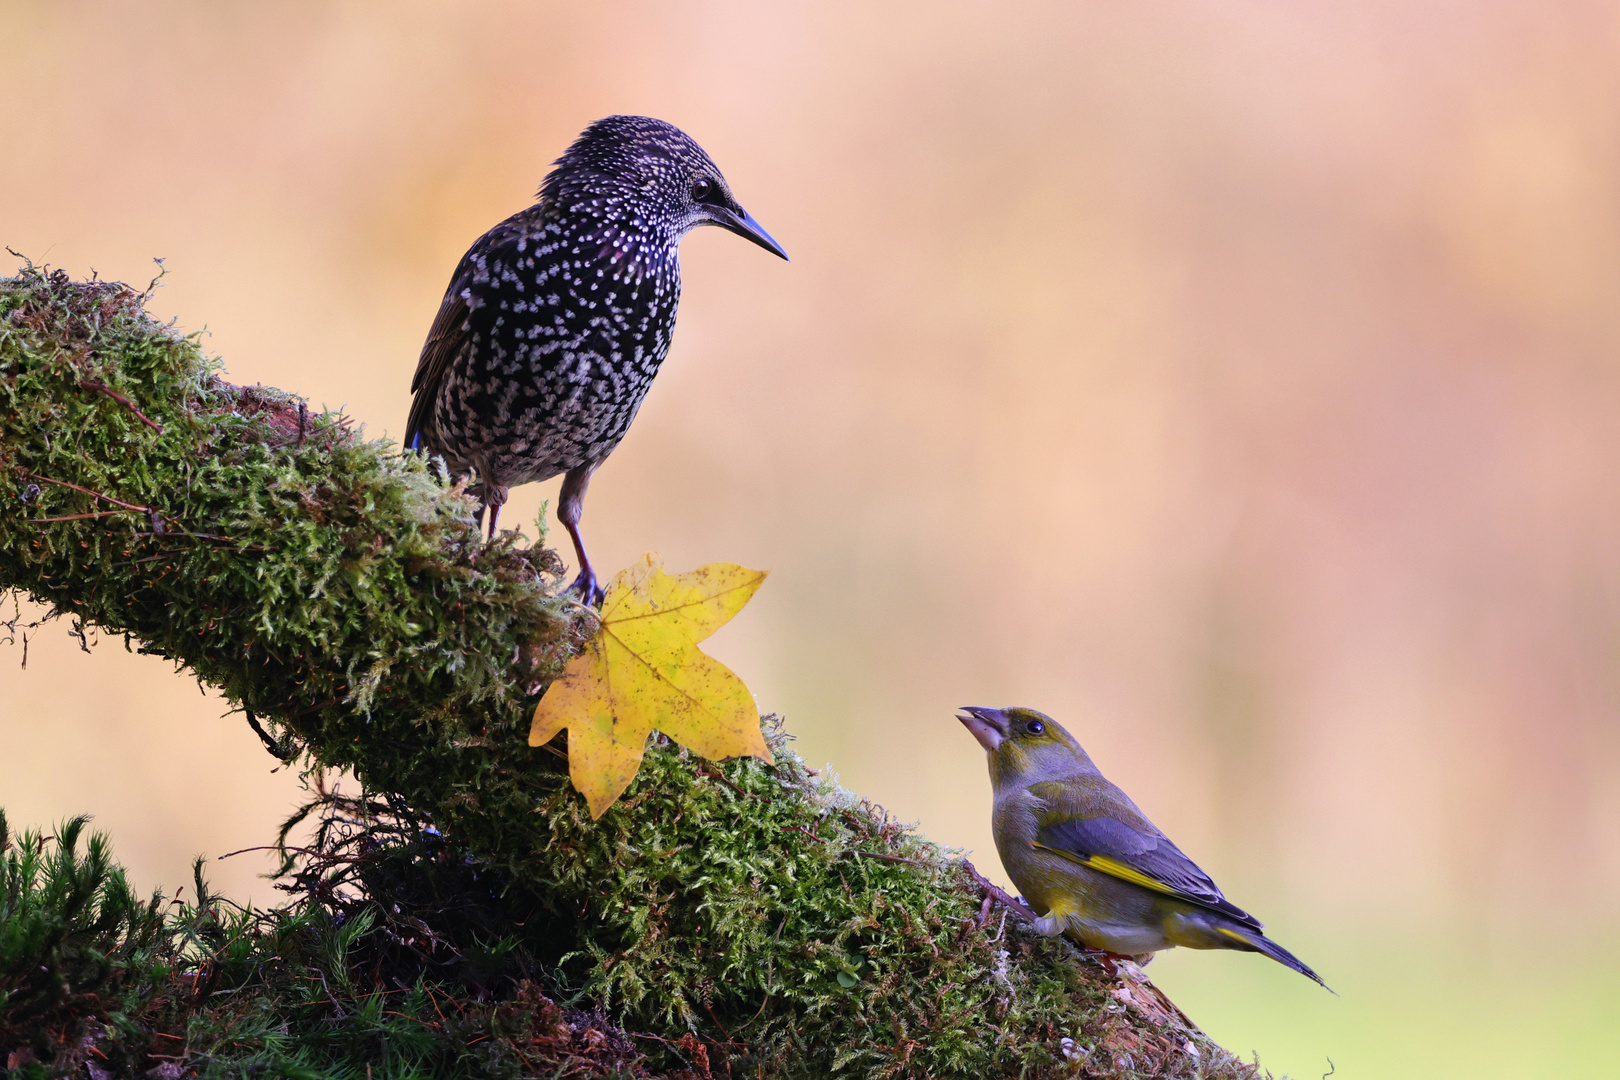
{"x":1253,"y":939}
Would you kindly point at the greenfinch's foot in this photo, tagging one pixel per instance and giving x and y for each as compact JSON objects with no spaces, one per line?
{"x":1111,"y":960}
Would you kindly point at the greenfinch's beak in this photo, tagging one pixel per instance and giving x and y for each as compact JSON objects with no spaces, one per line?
{"x":989,"y":726}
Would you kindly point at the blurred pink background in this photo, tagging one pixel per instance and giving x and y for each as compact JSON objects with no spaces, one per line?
{"x":1236,"y":382}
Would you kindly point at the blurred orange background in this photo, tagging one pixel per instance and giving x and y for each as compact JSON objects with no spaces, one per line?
{"x":1236,"y":382}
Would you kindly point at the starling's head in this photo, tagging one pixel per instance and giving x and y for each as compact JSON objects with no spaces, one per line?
{"x":648,"y":176}
{"x":1024,"y":746}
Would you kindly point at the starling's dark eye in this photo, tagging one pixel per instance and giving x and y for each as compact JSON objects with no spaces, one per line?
{"x":1034,"y":727}
{"x":702,"y":191}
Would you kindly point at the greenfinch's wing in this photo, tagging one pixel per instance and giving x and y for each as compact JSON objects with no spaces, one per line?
{"x":1119,"y":849}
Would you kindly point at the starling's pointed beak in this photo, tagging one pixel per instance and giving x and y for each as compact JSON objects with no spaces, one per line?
{"x":743,"y":224}
{"x":989,"y":726}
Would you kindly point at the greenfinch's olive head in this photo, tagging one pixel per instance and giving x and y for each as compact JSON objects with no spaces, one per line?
{"x":1023,"y":745}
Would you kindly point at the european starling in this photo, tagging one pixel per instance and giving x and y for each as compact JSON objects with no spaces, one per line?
{"x":556,"y":319}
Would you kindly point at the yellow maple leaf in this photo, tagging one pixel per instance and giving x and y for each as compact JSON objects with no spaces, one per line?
{"x":643,"y":670}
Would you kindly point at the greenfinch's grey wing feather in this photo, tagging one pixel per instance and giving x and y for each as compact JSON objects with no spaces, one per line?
{"x":1143,"y":858}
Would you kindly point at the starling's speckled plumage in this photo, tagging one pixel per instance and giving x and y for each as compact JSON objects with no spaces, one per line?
{"x":557,"y":319}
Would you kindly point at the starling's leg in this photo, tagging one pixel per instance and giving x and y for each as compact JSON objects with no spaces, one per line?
{"x":494,"y":498}
{"x":570,"y":506}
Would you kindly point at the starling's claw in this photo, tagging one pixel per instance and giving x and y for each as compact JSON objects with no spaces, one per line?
{"x":586,"y":589}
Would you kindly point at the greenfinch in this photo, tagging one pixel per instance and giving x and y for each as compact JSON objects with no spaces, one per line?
{"x":1088,"y":861}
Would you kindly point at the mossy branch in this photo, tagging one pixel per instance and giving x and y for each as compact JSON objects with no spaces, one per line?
{"x":338,"y":591}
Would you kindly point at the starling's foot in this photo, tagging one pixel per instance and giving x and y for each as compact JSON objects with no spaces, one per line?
{"x":585,"y":589}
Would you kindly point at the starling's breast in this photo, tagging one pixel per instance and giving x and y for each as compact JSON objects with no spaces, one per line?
{"x":564,"y":336}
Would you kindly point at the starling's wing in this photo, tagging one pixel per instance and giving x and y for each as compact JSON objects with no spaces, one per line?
{"x":453,"y":325}
{"x":1092,"y":837}
{"x":444,"y":340}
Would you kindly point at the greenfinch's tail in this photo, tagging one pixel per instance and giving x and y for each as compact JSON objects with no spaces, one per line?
{"x":1260,"y":943}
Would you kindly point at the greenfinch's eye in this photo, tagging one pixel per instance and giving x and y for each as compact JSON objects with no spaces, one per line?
{"x":1034,"y":727}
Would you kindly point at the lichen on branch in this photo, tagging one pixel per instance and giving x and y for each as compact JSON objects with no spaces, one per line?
{"x":338,"y":590}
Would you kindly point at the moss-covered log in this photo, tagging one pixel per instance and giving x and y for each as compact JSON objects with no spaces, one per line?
{"x":339,"y":591}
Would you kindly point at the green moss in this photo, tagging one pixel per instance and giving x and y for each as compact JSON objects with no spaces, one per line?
{"x":95,"y":983}
{"x":72,"y":933}
{"x":340,"y":591}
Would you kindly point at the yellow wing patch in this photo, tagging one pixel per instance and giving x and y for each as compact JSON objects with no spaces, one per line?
{"x":1103,"y":864}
